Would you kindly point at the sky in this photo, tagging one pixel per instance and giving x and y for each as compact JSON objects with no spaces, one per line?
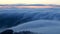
{"x":30,"y":2}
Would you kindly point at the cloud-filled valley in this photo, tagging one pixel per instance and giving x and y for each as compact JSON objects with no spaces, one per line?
{"x":40,"y":20}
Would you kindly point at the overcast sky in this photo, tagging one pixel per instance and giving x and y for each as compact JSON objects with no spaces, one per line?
{"x":29,"y":1}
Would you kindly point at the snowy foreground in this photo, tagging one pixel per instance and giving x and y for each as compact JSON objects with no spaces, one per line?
{"x":38,"y":21}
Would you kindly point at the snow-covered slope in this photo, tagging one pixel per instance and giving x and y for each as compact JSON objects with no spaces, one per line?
{"x":40,"y":26}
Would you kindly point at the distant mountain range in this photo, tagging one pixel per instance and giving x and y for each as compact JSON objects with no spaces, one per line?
{"x":29,"y":5}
